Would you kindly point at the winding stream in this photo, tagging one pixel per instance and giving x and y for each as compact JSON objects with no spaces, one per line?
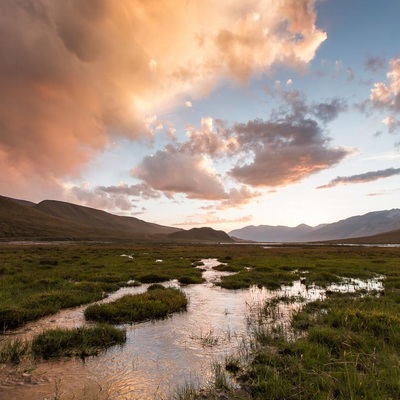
{"x":158,"y":356}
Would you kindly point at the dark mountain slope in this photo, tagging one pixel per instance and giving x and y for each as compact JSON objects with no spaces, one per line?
{"x":19,"y":222}
{"x":25,"y":203}
{"x":100,"y":219}
{"x":54,"y":220}
{"x":202,"y":234}
{"x":392,"y":237}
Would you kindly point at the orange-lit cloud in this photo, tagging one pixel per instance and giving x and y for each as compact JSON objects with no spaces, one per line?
{"x":72,"y":73}
{"x":387,"y":95}
{"x":283,"y":150}
{"x":174,"y":171}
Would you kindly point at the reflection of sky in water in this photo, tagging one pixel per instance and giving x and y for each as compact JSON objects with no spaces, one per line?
{"x":159,"y":356}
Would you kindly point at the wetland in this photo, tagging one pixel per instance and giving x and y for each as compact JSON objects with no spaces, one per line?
{"x":286,"y":322}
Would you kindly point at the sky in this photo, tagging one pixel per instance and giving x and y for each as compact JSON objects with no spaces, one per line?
{"x":194,"y":113}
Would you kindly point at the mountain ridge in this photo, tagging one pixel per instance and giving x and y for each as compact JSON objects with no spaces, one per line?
{"x":55,"y":220}
{"x":204,"y":233}
{"x":369,"y":224}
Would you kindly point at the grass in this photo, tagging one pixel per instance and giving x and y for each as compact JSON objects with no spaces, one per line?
{"x":158,"y":302}
{"x":80,"y":342}
{"x":13,"y":351}
{"x":345,"y":347}
{"x":207,"y":339}
{"x":40,"y":280}
{"x":348,"y":349}
{"x":55,"y":343}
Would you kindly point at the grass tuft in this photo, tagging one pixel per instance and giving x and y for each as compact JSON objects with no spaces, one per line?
{"x":13,"y":351}
{"x":154,"y":304}
{"x":81,"y":342}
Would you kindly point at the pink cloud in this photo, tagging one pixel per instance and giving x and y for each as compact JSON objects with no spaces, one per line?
{"x":74,"y":73}
{"x":174,"y":171}
{"x":386,"y":95}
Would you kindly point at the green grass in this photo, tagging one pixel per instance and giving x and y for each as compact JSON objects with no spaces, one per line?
{"x":349,"y":349}
{"x":80,"y":342}
{"x":36,"y":281}
{"x":347,"y":346}
{"x":156,"y":303}
{"x":13,"y":351}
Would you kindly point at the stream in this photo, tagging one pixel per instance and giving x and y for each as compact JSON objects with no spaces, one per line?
{"x":158,"y":356}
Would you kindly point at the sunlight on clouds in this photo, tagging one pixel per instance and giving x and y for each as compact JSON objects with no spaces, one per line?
{"x":75,"y":74}
{"x":387,"y":95}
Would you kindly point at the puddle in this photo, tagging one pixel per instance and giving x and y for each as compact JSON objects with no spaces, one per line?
{"x":161,"y":355}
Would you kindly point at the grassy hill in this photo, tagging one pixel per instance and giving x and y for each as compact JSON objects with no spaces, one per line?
{"x":63,"y":221}
{"x":202,"y":234}
{"x":98,"y":219}
{"x":52,"y":220}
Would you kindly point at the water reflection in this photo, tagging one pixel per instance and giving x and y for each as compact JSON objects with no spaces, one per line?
{"x":159,"y":356}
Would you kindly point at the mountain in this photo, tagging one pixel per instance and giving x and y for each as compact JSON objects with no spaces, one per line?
{"x":55,"y":220}
{"x":202,"y":234}
{"x":267,"y":233}
{"x":58,"y":220}
{"x":100,"y":219}
{"x":373,"y":223}
{"x":369,"y":224}
{"x":382,"y":238}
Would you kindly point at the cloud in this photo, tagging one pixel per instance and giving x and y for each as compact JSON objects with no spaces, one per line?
{"x":362,"y":178}
{"x":235,"y":198}
{"x":329,"y":111}
{"x":375,"y":63}
{"x":172,"y":170}
{"x":288,"y":147}
{"x":96,"y":198}
{"x":212,"y":219}
{"x":384,"y":193}
{"x":75,"y":72}
{"x":114,"y":198}
{"x":140,"y":190}
{"x":280,"y":151}
{"x":386,"y":95}
{"x":284,"y":152}
{"x":325,"y":111}
{"x":207,"y":140}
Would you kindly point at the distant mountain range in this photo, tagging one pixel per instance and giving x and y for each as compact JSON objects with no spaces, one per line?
{"x":57,"y":220}
{"x":373,"y":223}
{"x":52,"y":220}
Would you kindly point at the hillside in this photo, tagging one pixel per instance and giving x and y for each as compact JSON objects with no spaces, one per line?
{"x":373,"y":223}
{"x":19,"y":222}
{"x":392,"y":237}
{"x":57,"y":220}
{"x":202,"y":234}
{"x":52,"y":220}
{"x":100,"y":219}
